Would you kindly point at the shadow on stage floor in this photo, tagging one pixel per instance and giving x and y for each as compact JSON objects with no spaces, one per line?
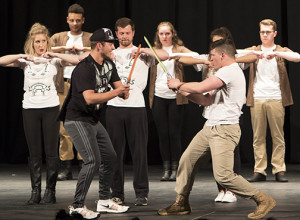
{"x":15,"y":191}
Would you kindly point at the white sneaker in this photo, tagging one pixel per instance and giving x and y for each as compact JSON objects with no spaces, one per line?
{"x":229,"y":197}
{"x":86,"y":213}
{"x":220,"y":196}
{"x":110,"y":206}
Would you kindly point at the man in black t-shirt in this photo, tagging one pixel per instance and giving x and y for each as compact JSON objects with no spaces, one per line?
{"x":81,"y":113}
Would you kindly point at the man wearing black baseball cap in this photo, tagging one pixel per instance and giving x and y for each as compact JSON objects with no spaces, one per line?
{"x":81,"y":113}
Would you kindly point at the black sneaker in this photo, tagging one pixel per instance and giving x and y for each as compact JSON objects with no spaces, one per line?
{"x":141,"y":201}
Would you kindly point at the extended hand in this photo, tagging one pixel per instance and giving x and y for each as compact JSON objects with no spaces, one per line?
{"x":49,"y":55}
{"x":270,"y":55}
{"x":134,"y":53}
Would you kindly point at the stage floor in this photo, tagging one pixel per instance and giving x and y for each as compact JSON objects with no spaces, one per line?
{"x":15,"y":191}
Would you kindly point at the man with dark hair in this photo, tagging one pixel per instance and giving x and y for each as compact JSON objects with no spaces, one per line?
{"x":225,"y":96}
{"x":75,"y":42}
{"x":81,"y":114}
{"x":126,"y":120}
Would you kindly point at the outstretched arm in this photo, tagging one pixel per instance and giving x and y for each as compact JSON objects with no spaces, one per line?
{"x":72,"y":49}
{"x":67,"y":59}
{"x":162,"y":54}
{"x":12,"y":60}
{"x":290,"y":56}
{"x":194,"y":90}
{"x":192,"y":61}
{"x":249,"y":58}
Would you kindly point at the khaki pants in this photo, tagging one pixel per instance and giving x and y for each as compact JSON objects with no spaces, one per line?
{"x":271,"y":111}
{"x":218,"y":142}
{"x":65,"y":145}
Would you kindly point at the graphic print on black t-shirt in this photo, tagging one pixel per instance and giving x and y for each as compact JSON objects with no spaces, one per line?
{"x":102,"y":79}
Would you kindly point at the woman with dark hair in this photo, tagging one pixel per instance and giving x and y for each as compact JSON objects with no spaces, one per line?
{"x":40,"y":107}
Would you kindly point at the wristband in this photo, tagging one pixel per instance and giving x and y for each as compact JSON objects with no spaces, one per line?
{"x":179,"y":86}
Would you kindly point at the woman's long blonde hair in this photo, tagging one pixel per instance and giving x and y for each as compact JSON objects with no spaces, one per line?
{"x":36,"y":28}
{"x":176,"y":41}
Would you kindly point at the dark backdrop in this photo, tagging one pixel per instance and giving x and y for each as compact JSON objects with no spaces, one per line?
{"x":193,"y":19}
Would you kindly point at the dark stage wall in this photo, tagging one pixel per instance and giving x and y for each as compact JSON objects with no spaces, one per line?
{"x":193,"y":19}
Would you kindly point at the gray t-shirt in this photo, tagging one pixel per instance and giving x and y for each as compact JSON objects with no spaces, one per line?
{"x":228,"y":100}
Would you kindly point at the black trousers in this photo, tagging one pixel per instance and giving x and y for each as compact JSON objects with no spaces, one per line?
{"x":41,"y":125}
{"x":129,"y":125}
{"x":168,"y":120}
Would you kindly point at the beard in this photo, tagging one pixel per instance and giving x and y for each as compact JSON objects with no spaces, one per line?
{"x":106,"y":56}
{"x":125,"y":43}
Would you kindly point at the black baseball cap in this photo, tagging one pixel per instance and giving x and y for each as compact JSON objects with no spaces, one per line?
{"x":103,"y":34}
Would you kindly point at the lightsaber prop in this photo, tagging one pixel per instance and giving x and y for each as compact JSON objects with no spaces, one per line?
{"x":133,"y":65}
{"x":157,"y":58}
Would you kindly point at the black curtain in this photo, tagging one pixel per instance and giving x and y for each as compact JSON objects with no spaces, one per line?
{"x":193,"y":19}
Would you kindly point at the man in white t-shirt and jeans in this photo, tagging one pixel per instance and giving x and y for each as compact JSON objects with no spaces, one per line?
{"x":126,"y":120}
{"x":74,"y":42}
{"x":268,"y":94}
{"x":225,"y":94}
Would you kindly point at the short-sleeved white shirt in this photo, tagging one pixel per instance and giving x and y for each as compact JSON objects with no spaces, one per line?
{"x":74,"y":40}
{"x":138,"y":80}
{"x":161,"y":88}
{"x":266,"y":82}
{"x":228,"y":100}
{"x":39,"y":87}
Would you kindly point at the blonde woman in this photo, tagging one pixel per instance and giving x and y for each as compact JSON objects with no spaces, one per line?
{"x":166,"y":105}
{"x":40,"y":107}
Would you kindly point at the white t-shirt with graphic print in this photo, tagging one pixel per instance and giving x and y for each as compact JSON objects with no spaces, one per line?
{"x":138,"y":80}
{"x":39,"y":78}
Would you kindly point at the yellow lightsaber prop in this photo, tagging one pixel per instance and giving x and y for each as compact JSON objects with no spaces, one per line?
{"x":157,"y":58}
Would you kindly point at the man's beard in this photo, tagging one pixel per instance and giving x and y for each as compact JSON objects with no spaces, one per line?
{"x":105,"y":56}
{"x":125,"y":43}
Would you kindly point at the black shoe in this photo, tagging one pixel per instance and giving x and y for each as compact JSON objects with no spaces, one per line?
{"x":35,"y":197}
{"x":257,"y":177}
{"x":167,"y":170}
{"x":280,"y":177}
{"x":141,"y":201}
{"x":49,"y":197}
{"x":174,"y":167}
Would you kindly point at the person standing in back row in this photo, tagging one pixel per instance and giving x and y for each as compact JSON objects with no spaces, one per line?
{"x":73,"y":42}
{"x":168,"y":106}
{"x":268,"y":94}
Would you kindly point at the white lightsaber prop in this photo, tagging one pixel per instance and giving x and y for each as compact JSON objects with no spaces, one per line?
{"x":157,"y":58}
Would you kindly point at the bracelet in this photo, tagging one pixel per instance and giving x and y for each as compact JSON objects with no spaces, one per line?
{"x":179,"y":86}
